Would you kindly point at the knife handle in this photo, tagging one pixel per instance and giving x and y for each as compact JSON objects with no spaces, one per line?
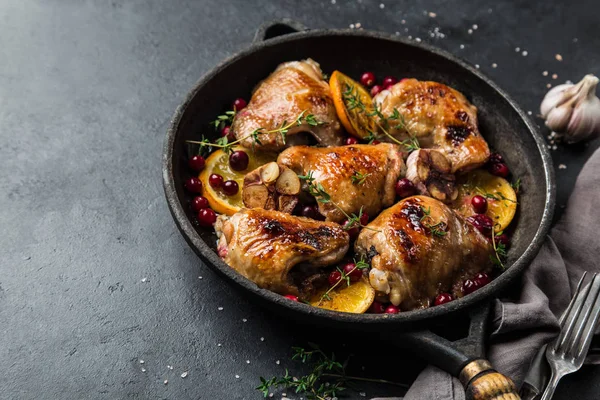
{"x":482,"y":382}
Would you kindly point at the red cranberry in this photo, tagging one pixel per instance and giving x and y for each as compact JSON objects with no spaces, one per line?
{"x":350,"y":270}
{"x":291,"y":297}
{"x":207,"y":217}
{"x":499,"y":169}
{"x":368,"y":79}
{"x":469,"y":286}
{"x":194,"y":185}
{"x":443,"y":298}
{"x":502,"y":239}
{"x":377,"y":308}
{"x":197,"y":163}
{"x":482,"y":222}
{"x":479,"y":204}
{"x":352,"y":232}
{"x":391,"y":309}
{"x":238,"y":160}
{"x":375,"y":90}
{"x":239,"y":104}
{"x":364,"y":218}
{"x":215,"y":180}
{"x":199,"y":203}
{"x":389,"y":81}
{"x":351,"y":140}
{"x":375,"y":142}
{"x":482,"y":279}
{"x":496,"y":158}
{"x":310,"y":212}
{"x":226,"y":131}
{"x":405,"y":188}
{"x":230,"y":187}
{"x":334,"y":277}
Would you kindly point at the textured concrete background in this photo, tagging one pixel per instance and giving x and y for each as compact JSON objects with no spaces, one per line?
{"x":95,"y":278}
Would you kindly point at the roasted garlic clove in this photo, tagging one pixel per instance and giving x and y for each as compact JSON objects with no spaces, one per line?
{"x":272,"y":187}
{"x":430,"y":172}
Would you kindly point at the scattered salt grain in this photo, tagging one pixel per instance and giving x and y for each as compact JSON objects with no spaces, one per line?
{"x":244,"y":320}
{"x":403,"y":21}
{"x":410,"y":37}
{"x":357,"y":25}
{"x":554,"y":147}
{"x":524,"y":53}
{"x":562,"y":166}
{"x":558,"y":57}
{"x":270,"y":394}
{"x":220,"y":308}
{"x":351,"y":26}
{"x":529,"y":112}
{"x":166,"y":381}
{"x":418,"y":40}
{"x":462,"y":46}
{"x":477,"y":66}
{"x":382,"y":6}
{"x":362,"y":394}
{"x":494,"y":65}
{"x":548,"y":85}
{"x":432,"y":14}
{"x":144,"y":279}
{"x":554,"y":76}
{"x":332,"y":1}
{"x":397,"y":33}
{"x":143,"y":369}
{"x":199,"y":277}
{"x":475,"y":27}
{"x":184,"y":374}
{"x":470,"y":31}
{"x":219,"y":345}
{"x":277,"y":362}
{"x":545,"y":73}
{"x":237,"y":377}
{"x":141,"y":361}
{"x":247,"y":361}
{"x":517,"y":49}
{"x":262,"y":339}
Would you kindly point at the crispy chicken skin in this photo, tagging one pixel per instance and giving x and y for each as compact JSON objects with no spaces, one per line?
{"x":440,"y":117}
{"x":334,"y":167}
{"x":264,"y":245}
{"x":292,"y":88}
{"x":413,"y":259}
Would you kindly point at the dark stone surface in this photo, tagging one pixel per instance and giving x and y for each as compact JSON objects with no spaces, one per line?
{"x":94,"y":276}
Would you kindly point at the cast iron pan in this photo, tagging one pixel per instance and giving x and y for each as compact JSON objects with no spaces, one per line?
{"x":504,"y":125}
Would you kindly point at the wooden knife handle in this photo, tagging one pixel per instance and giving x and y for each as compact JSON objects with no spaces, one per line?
{"x":482,"y":382}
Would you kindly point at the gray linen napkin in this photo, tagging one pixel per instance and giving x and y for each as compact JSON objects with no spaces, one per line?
{"x":521,"y":325}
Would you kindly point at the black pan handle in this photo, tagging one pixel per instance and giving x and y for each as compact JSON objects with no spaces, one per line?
{"x":464,"y":358}
{"x":275,"y":28}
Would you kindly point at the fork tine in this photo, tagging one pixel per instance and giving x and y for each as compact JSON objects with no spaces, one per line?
{"x":590,"y":326}
{"x":563,"y":317}
{"x":571,"y":318}
{"x":583,"y":322}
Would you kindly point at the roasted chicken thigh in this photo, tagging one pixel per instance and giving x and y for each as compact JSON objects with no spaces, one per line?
{"x":419,"y":248}
{"x":294,"y":88}
{"x":264,"y":245}
{"x":355,"y":177}
{"x":439,"y":117}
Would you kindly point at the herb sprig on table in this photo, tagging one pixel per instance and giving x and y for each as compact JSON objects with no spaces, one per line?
{"x":326,"y":380}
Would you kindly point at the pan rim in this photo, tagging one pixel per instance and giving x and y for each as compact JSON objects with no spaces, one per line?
{"x":209,"y":257}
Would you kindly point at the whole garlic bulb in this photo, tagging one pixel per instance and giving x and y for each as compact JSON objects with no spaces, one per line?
{"x":573,"y":111}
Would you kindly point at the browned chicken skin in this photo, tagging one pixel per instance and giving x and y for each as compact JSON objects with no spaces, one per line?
{"x":294,"y":87}
{"x":419,"y":248}
{"x":264,"y":245}
{"x":334,"y":167}
{"x":440,"y":117}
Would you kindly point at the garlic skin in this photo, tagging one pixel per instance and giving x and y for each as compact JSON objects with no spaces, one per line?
{"x":573,"y":111}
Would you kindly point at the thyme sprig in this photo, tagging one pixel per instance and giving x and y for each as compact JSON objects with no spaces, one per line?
{"x":325,"y":381}
{"x":359,"y":178}
{"x":283,"y":129}
{"x":224,"y":119}
{"x":345,"y":277}
{"x":499,"y":250}
{"x":396,"y":120}
{"x":516,"y":185}
{"x":437,"y":229}
{"x":317,"y":190}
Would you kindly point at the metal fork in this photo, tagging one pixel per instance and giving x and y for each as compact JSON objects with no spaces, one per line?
{"x":567,"y":353}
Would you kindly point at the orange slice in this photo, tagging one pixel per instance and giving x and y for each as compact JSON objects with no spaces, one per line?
{"x":500,"y":196}
{"x":218,"y":163}
{"x":352,"y":104}
{"x":356,"y":298}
